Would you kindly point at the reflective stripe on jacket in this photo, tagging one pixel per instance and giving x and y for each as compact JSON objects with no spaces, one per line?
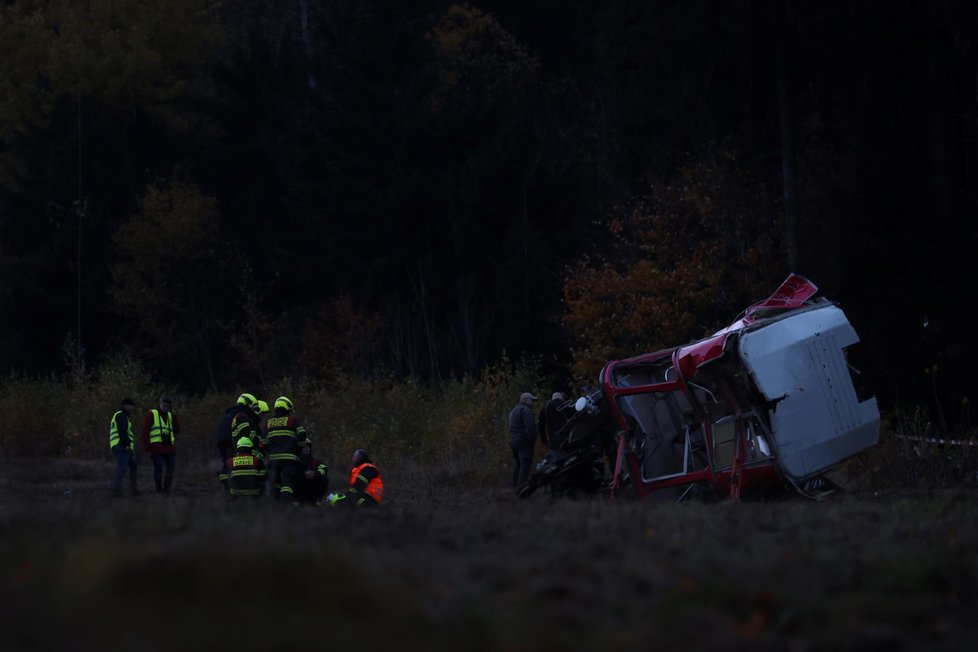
{"x":247,"y":475}
{"x":162,"y":428}
{"x":280,"y":440}
{"x":114,"y":431}
{"x":245,"y":424}
{"x":375,"y":486}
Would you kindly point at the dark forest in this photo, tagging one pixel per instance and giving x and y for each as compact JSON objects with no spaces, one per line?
{"x":239,"y":191}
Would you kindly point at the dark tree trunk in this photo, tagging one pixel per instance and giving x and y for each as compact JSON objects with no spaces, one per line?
{"x":788,"y":169}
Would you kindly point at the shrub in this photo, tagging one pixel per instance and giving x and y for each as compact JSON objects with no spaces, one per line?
{"x":33,"y":417}
{"x":910,"y":453}
{"x":455,"y":431}
{"x":69,"y":415}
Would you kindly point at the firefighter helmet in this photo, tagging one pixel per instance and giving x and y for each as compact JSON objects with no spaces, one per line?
{"x":247,"y":400}
{"x":245,"y":442}
{"x":261,"y":407}
{"x":283,"y":402}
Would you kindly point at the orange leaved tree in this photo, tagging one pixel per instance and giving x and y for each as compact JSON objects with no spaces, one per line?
{"x":167,"y":279}
{"x":679,"y":263}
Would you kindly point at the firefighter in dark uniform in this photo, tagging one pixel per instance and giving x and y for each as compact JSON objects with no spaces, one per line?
{"x":282,"y":434}
{"x":313,"y":477}
{"x":247,"y":471}
{"x":247,"y":423}
{"x":366,"y":487}
{"x":122,"y":443}
{"x":225,"y":440}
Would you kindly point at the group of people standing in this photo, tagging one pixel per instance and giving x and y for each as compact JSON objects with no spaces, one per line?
{"x":160,"y":427}
{"x":276,"y":456}
{"x":256,"y":459}
{"x":524,"y":429}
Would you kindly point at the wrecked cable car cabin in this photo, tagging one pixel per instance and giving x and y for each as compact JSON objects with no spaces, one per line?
{"x":766,"y":401}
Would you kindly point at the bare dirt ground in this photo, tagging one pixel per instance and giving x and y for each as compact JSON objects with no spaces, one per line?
{"x":477,"y":569}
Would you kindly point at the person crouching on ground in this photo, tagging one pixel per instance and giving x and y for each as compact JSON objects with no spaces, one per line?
{"x":313,"y":479}
{"x":366,"y":487}
{"x":122,"y":442}
{"x":247,"y":471}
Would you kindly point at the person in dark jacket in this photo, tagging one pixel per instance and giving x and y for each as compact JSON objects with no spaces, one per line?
{"x":160,"y":427}
{"x":522,"y":435}
{"x":225,"y":440}
{"x":282,"y":434}
{"x":313,"y":477}
{"x":247,"y":423}
{"x":552,"y":419}
{"x":247,"y":472}
{"x":122,"y":443}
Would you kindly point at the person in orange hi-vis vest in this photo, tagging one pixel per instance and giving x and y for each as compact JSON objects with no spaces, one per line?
{"x":366,"y":487}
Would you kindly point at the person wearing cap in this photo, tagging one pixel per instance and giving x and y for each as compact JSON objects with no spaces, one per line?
{"x":160,"y":428}
{"x":313,"y":477}
{"x":122,"y":443}
{"x":522,"y":435}
{"x":282,"y":434}
{"x":553,"y":417}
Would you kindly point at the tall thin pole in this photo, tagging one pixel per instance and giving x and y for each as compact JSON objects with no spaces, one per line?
{"x":81,"y":213}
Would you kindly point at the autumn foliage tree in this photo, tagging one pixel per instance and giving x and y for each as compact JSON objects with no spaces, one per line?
{"x":677,"y":264}
{"x":128,"y":57}
{"x":442,"y":162}
{"x":169,"y":275}
{"x":479,"y":62}
{"x":341,"y":339}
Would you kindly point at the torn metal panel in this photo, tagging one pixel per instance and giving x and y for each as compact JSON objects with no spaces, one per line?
{"x":798,"y":361}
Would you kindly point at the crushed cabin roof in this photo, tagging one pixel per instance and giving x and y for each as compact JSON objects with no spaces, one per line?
{"x":791,"y":295}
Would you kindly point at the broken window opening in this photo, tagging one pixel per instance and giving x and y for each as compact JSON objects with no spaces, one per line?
{"x":756,"y":440}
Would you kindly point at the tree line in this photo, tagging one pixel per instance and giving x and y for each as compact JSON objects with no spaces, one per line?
{"x":242,"y":191}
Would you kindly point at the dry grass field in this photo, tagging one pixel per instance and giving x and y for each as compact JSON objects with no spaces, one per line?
{"x":447,"y":567}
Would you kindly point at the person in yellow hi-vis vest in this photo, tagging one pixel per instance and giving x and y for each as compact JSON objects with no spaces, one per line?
{"x":160,"y":427}
{"x":122,"y":443}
